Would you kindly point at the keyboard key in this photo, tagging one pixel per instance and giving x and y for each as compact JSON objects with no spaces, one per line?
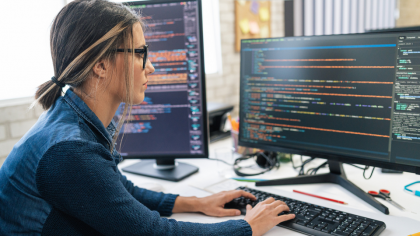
{"x":340,"y":228}
{"x":339,"y":233}
{"x":369,"y":230}
{"x":311,"y":225}
{"x":301,"y":222}
{"x":348,"y":230}
{"x":352,"y":227}
{"x":326,"y":230}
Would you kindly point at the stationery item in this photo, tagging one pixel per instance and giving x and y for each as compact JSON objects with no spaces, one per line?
{"x":242,"y":2}
{"x":244,"y":25}
{"x":234,"y":133}
{"x":254,"y":28}
{"x":385,"y":194}
{"x":234,"y":124}
{"x":255,"y":6}
{"x":313,"y":195}
{"x":264,"y":14}
{"x":415,"y":192}
{"x":248,"y":180}
{"x":217,"y":184}
{"x":416,"y":234}
{"x":264,"y":32}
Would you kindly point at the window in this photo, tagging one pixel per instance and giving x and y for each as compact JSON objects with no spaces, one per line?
{"x":25,"y":57}
{"x":212,"y":46}
{"x":325,"y":17}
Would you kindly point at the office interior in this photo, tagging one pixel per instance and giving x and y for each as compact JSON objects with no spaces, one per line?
{"x":288,"y":18}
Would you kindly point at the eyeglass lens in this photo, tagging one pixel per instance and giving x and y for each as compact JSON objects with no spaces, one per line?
{"x":145,"y":56}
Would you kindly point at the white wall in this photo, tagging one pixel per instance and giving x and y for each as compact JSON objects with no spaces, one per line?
{"x":15,"y":120}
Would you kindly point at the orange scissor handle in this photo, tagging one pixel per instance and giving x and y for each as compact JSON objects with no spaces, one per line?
{"x":385,"y":192}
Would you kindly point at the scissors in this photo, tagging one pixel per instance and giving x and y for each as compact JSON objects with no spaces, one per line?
{"x":384,"y":194}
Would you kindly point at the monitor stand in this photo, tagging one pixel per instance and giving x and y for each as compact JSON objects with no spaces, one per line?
{"x":162,"y":169}
{"x":336,"y":176}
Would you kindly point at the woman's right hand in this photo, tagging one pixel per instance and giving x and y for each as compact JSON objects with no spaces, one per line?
{"x":265,"y":215}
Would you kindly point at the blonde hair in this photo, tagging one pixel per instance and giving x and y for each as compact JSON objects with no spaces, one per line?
{"x":78,"y":41}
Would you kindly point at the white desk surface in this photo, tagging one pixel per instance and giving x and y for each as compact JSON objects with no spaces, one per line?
{"x":397,"y":222}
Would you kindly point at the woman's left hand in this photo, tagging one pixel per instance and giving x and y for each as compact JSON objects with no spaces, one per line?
{"x":214,"y":205}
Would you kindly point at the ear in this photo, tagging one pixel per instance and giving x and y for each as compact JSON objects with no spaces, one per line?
{"x":100,"y":68}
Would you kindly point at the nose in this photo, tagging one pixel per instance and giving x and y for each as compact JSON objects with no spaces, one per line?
{"x":149,"y":67}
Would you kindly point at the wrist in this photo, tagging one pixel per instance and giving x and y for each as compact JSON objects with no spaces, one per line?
{"x":186,"y":204}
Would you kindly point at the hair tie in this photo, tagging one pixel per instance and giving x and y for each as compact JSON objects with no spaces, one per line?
{"x":58,"y":83}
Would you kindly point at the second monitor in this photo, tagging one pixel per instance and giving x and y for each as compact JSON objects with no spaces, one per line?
{"x":172,"y":120}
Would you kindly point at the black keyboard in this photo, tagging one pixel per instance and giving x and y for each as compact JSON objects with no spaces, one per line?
{"x":313,"y":219}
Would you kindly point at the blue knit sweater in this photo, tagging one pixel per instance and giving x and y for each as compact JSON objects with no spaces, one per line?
{"x":61,"y":179}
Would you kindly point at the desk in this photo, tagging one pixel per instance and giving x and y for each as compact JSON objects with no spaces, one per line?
{"x":398,"y":222}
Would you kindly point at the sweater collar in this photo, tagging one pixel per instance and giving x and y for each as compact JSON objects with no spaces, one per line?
{"x":86,"y":113}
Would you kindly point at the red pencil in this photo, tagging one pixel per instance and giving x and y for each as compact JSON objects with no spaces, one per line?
{"x":313,"y":195}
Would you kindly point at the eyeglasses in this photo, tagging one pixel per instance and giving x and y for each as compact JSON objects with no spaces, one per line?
{"x":140,"y":51}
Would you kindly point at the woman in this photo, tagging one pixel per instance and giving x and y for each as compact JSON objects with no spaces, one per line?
{"x":62,"y":178}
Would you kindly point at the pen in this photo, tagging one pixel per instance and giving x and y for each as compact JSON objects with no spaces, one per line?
{"x":313,"y":195}
{"x":248,"y":180}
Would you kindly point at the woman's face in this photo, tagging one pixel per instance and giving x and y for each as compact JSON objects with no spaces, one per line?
{"x":140,"y":74}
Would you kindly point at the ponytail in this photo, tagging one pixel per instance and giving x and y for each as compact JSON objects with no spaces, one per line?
{"x":47,"y":94}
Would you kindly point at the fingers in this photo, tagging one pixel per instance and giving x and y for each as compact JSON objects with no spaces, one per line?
{"x":268,"y":200}
{"x":281,"y":207}
{"x":277,"y":203}
{"x":248,"y":207}
{"x":240,"y":193}
{"x":229,"y":212}
{"x":283,"y":218}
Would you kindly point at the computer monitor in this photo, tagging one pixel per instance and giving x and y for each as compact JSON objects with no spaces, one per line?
{"x":347,"y":98}
{"x":172,"y":120}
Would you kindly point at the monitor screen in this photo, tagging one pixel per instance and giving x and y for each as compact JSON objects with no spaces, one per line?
{"x":355,"y":97}
{"x":171,"y":121}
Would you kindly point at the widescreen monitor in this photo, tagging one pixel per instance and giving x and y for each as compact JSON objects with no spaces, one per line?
{"x":172,"y":120}
{"x":348,"y":98}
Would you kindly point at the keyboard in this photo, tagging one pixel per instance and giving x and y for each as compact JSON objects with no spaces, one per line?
{"x":313,"y":219}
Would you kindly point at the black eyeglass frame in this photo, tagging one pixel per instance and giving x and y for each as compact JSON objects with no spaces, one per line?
{"x":143,"y":50}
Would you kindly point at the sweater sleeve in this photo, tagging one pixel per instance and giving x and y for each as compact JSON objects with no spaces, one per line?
{"x":81,"y":179}
{"x":163,"y":203}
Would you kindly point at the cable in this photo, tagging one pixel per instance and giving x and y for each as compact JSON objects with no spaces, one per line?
{"x":221,"y":161}
{"x":302,"y":168}
{"x":270,"y":158}
{"x":293,"y":164}
{"x":367,"y":167}
{"x":271,"y":162}
{"x":314,"y":170}
{"x":301,"y":160}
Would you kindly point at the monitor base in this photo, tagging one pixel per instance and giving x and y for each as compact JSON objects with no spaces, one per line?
{"x":336,"y":176}
{"x":152,"y":168}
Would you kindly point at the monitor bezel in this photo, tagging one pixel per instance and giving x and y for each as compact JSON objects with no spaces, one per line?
{"x":203,"y":86}
{"x":329,"y":156}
